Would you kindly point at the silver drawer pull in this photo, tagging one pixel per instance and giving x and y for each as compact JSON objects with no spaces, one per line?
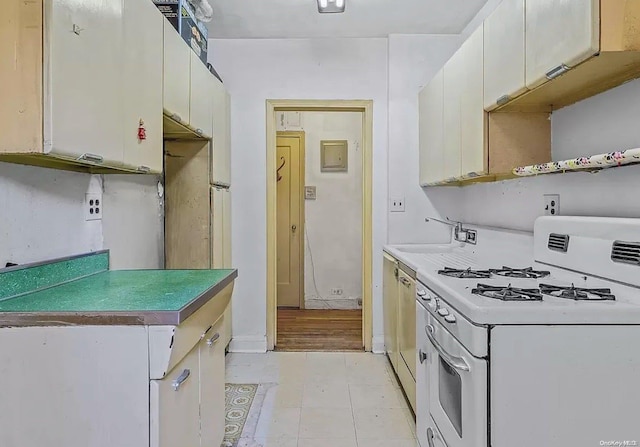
{"x":405,"y":281}
{"x":143,"y":169}
{"x":181,"y":379}
{"x":213,"y":339}
{"x":503,"y":100}
{"x":92,"y":158}
{"x":176,"y":117}
{"x":199,"y":131}
{"x":456,"y":362}
{"x":422,"y":356}
{"x":430,"y":437}
{"x":559,"y":70}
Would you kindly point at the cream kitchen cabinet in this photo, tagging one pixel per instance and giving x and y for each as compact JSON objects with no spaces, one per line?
{"x":221,"y":240}
{"x":407,"y":335}
{"x":177,"y":75}
{"x":212,"y":374}
{"x":559,"y":34}
{"x":390,"y":302}
{"x":201,"y":91}
{"x":504,"y":54}
{"x":143,"y":65}
{"x":453,"y":80}
{"x":221,"y":144}
{"x":66,"y":70}
{"x":431,"y":104}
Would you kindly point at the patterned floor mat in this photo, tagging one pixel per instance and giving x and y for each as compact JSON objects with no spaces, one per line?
{"x":238,"y":400}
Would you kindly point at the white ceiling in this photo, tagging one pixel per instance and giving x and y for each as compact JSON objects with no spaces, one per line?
{"x":235,"y":19}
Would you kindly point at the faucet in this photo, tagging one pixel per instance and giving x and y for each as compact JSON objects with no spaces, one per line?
{"x":460,"y":233}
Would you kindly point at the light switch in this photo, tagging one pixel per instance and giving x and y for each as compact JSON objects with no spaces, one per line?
{"x":310,"y":193}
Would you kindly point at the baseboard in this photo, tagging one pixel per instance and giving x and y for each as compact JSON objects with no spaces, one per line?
{"x":249,"y":344}
{"x":377,"y":345}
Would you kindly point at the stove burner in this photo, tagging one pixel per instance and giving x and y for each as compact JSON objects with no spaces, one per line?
{"x":468,"y":273}
{"x":577,"y":293}
{"x":529,"y":272}
{"x":507,"y":293}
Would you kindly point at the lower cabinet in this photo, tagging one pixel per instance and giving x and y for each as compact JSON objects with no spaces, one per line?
{"x":390,"y":297}
{"x":212,"y":414}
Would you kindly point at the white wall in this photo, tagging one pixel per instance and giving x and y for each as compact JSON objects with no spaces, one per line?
{"x":333,"y":222}
{"x":42,"y":217}
{"x":256,"y":70}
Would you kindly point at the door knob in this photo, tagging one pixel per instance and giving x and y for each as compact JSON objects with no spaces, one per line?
{"x":422,"y":356}
{"x":293,"y":228}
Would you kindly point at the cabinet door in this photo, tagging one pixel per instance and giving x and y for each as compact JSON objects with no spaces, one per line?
{"x":212,"y":394}
{"x":201,"y":92}
{"x":175,"y":405}
{"x":142,"y":50}
{"x":451,"y":128}
{"x":559,"y":32}
{"x":177,"y":75}
{"x":473,"y":118}
{"x":430,"y":104}
{"x":407,"y":322}
{"x":84,"y":80}
{"x":504,"y":63}
{"x":390,"y":302}
{"x":422,"y":384}
{"x":217,"y":227}
{"x":220,"y":158}
{"x":226,"y":229}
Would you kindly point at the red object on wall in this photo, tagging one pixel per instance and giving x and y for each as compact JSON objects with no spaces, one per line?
{"x":142,"y":132}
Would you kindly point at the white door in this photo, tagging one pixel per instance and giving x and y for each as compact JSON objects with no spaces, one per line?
{"x":175,"y":405}
{"x":84,"y":80}
{"x":473,"y":118}
{"x":220,"y":158}
{"x":142,"y":50}
{"x":504,"y":49}
{"x":453,"y":80}
{"x":177,"y":75}
{"x":431,"y":137}
{"x":559,"y":32}
{"x":200,"y":97}
{"x":212,"y":393}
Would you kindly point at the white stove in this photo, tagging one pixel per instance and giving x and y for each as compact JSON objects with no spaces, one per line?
{"x":549,"y":359}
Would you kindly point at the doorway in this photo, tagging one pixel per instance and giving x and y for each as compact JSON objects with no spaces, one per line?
{"x":319,"y":225}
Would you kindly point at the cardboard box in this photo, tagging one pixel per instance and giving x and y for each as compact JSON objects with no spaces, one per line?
{"x":181,"y":15}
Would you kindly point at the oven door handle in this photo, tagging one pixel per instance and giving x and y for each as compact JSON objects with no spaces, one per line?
{"x":456,"y":362}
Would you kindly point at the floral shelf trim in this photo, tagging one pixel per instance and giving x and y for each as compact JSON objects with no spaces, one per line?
{"x":600,"y":161}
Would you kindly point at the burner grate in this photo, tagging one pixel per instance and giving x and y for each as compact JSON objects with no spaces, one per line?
{"x":507,"y":293}
{"x":464,"y":273}
{"x":577,"y":293}
{"x":528,"y":272}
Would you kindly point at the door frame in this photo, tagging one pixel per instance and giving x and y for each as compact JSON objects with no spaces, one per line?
{"x":366,"y":108}
{"x":300,"y":136}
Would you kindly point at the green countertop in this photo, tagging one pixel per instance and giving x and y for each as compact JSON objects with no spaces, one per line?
{"x":116,"y":296}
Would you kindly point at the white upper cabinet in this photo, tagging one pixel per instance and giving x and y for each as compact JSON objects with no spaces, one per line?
{"x":430,"y":104}
{"x":504,"y":53}
{"x":177,"y":76}
{"x":83,"y":93}
{"x":220,"y":169}
{"x":143,"y":55}
{"x":473,"y":118}
{"x":201,"y":92}
{"x":559,"y":33}
{"x":453,"y":84}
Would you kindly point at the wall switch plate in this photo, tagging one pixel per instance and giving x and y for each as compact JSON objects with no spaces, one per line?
{"x":396,"y":205}
{"x":310,"y":193}
{"x":336,"y":292}
{"x":93,"y":206}
{"x":551,"y":204}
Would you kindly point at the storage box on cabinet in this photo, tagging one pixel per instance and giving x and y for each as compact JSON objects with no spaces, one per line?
{"x":65,"y":85}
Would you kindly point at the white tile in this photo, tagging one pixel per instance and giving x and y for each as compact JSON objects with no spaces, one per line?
{"x":388,"y":443}
{"x":278,"y":423}
{"x":268,"y":442}
{"x":320,"y":442}
{"x":326,"y":423}
{"x":354,"y":359}
{"x":326,"y":395}
{"x":255,"y":360}
{"x":284,"y":395}
{"x":362,"y":374}
{"x":386,"y":423}
{"x":376,"y":396}
{"x":325,"y":368}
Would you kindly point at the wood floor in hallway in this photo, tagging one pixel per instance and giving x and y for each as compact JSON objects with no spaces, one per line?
{"x":319,"y":330}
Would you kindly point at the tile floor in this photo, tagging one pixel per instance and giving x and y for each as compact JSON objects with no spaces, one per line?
{"x":323,"y":400}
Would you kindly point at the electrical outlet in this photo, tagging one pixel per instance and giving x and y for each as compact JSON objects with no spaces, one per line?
{"x":93,"y":206}
{"x":552,"y":204}
{"x":397,"y":205}
{"x":336,"y":292}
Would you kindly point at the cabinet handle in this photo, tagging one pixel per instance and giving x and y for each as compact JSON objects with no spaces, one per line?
{"x":560,"y":69}
{"x":213,"y":339}
{"x":143,"y":169}
{"x":181,"y":379}
{"x":176,"y":117}
{"x":199,"y":131}
{"x":503,"y":100}
{"x":422,"y":356}
{"x":430,"y":437}
{"x":92,"y":158}
{"x":405,"y":281}
{"x":395,"y":272}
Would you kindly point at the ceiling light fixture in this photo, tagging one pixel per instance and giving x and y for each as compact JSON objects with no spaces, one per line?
{"x":331,"y":6}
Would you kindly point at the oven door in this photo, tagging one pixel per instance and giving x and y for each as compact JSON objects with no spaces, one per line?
{"x":457,"y":389}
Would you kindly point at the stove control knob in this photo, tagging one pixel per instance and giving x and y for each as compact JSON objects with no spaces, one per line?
{"x":443,"y":312}
{"x":433,"y":305}
{"x":450,"y":318}
{"x":421,"y":293}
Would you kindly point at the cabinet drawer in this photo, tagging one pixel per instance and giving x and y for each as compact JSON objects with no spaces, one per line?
{"x":212,"y":394}
{"x":175,"y":405}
